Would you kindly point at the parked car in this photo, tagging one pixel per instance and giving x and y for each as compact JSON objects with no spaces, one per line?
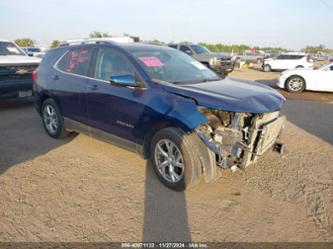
{"x":288,"y":61}
{"x":15,"y":71}
{"x":160,"y":103}
{"x":221,"y":63}
{"x":298,"y":80}
{"x":32,"y":51}
{"x":252,"y":57}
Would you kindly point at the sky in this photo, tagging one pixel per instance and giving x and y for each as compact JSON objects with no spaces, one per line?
{"x":291,"y":24}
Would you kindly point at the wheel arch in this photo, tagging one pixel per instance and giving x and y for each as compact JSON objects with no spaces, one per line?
{"x":42,"y":97}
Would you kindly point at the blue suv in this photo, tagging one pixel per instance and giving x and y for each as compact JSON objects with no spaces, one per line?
{"x":160,"y":103}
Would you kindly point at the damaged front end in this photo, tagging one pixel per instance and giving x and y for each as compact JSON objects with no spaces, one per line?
{"x":238,"y":139}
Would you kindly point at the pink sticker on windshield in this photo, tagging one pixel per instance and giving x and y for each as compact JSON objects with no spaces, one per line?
{"x":151,"y":61}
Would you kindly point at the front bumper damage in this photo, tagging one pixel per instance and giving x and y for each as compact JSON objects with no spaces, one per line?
{"x":239,"y":139}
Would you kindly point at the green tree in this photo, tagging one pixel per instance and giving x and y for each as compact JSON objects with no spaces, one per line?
{"x":97,"y":34}
{"x":25,"y":42}
{"x":55,"y":44}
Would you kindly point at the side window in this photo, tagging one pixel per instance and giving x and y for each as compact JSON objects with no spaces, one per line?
{"x":331,"y":68}
{"x":184,"y":48}
{"x":110,"y":63}
{"x":173,"y":46}
{"x":76,"y":61}
{"x":296,"y":57}
{"x":283,"y":57}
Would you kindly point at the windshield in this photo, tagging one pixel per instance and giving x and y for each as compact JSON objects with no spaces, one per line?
{"x":173,"y":66}
{"x":9,"y":48}
{"x":199,"y":49}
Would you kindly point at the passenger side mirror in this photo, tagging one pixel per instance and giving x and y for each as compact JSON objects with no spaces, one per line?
{"x":124,"y":80}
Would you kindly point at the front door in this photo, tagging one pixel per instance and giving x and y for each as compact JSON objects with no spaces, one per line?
{"x":114,"y":110}
{"x":325,"y":79}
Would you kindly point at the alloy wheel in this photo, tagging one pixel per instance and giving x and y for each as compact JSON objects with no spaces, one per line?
{"x":50,"y":119}
{"x":295,"y":84}
{"x":169,"y":160}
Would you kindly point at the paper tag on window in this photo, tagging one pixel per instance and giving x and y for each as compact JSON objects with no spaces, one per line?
{"x":151,"y":61}
{"x":198,"y":65}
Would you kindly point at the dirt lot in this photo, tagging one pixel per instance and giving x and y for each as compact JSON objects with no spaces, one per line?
{"x":82,"y":189}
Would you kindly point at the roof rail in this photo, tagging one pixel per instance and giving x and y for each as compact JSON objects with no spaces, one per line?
{"x":120,"y":39}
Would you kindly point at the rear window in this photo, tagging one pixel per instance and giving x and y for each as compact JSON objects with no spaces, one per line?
{"x":76,"y":61}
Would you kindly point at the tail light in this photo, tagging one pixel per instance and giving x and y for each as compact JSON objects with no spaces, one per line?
{"x":34,"y":75}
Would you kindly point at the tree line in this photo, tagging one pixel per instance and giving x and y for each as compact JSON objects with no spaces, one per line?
{"x":219,"y":47}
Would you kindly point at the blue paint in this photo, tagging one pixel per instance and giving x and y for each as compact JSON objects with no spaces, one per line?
{"x":134,"y":112}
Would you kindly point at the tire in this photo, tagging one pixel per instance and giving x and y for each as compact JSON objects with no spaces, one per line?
{"x":182,"y":143}
{"x":295,"y":84}
{"x":267,"y":68}
{"x":53,"y":121}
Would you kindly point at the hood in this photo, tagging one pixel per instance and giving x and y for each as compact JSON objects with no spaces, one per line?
{"x":208,"y":56}
{"x":231,"y":95}
{"x":9,"y":60}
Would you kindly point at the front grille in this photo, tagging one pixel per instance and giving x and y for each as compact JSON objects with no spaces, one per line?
{"x":224,"y":62}
{"x":19,"y":69}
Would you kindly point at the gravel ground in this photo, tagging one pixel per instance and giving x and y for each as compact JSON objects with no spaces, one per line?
{"x":82,"y":189}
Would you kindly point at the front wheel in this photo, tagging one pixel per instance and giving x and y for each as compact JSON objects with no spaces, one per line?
{"x":173,"y":159}
{"x":52,"y":119}
{"x":295,"y":84}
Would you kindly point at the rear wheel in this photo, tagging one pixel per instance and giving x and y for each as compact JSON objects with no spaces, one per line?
{"x":52,"y":119}
{"x":267,"y":68}
{"x":295,"y":84}
{"x":175,"y":163}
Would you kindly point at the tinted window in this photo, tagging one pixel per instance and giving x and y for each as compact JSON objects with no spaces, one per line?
{"x":111,"y":63}
{"x":76,"y":61}
{"x":173,"y":46}
{"x":184,"y":48}
{"x":199,"y":49}
{"x":282,"y":57}
{"x":295,"y":57}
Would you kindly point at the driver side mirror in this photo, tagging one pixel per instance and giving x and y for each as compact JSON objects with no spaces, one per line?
{"x":124,"y":80}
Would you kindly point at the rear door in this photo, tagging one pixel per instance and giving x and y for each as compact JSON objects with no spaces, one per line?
{"x":70,"y":82}
{"x":115,"y":110}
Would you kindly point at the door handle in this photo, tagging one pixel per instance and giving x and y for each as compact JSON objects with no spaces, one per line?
{"x":93,"y":87}
{"x":56,"y":77}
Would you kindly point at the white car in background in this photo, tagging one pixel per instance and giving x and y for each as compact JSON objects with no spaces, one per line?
{"x":298,"y":80}
{"x":287,"y":61}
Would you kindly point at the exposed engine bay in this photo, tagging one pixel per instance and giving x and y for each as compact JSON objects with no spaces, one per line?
{"x":238,"y":139}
